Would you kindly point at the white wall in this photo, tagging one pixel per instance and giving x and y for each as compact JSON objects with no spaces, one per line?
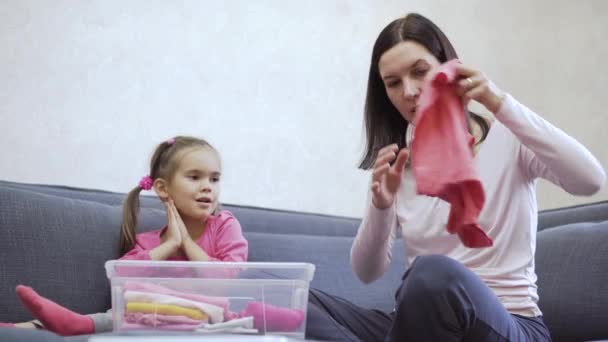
{"x":88,"y":88}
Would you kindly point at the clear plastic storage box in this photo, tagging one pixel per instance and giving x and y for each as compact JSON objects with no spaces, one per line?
{"x":210,"y":297}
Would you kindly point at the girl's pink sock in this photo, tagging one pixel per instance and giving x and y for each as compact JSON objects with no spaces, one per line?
{"x":53,"y":316}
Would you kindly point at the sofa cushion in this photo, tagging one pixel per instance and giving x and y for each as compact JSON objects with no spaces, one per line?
{"x":58,"y":246}
{"x":28,"y":335}
{"x":572,"y":268}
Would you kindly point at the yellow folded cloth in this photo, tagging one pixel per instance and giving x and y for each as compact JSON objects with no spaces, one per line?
{"x":166,"y":309}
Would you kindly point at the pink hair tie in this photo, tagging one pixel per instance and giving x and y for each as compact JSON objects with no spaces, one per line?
{"x":146,"y":183}
{"x":171,"y":141}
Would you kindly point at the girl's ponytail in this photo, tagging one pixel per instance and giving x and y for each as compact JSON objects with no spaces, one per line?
{"x":130,"y":210}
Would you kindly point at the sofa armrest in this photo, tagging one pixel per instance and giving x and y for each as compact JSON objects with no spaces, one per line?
{"x":572,"y":269}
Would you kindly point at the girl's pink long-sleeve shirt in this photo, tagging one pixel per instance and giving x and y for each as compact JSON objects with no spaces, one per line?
{"x":222,"y":240}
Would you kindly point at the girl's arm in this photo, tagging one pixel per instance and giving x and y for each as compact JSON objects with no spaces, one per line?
{"x":161,"y":252}
{"x":193,"y":251}
{"x":173,"y":241}
{"x":230,"y":245}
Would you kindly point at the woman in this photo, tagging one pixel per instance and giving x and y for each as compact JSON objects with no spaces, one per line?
{"x":451,"y":292}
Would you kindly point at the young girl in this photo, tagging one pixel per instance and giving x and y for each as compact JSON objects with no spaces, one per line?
{"x":185,"y":174}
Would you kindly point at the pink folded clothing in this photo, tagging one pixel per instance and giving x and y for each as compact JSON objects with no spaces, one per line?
{"x":442,"y":160}
{"x":172,"y":327}
{"x":153,"y":288}
{"x":157,"y":319}
{"x":266,"y":317}
{"x":271,"y":318}
{"x":215,"y":313}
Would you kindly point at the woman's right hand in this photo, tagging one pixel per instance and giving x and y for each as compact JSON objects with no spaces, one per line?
{"x":386,"y":178}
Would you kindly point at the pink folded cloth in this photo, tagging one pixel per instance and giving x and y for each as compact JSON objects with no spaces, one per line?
{"x":172,"y":327}
{"x":271,"y":318}
{"x":153,"y":288}
{"x":266,"y":317}
{"x":157,"y":319}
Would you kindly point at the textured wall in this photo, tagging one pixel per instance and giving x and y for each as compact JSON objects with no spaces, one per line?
{"x":88,"y":88}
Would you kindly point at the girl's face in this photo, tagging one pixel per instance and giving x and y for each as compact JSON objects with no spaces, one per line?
{"x":404,"y":68}
{"x":195,"y":185}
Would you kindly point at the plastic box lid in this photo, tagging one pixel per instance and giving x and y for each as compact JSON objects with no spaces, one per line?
{"x":255,"y":270}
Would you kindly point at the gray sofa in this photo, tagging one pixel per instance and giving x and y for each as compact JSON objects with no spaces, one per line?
{"x":56,"y":239}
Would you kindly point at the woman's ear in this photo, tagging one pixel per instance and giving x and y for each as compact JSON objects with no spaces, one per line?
{"x":161,"y":188}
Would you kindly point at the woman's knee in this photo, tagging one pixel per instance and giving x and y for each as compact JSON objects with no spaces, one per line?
{"x":432,"y":275}
{"x":440,"y":263}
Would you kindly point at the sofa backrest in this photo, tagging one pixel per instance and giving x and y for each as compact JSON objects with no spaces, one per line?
{"x":273,"y":221}
{"x":287,"y":222}
{"x":57,"y":239}
{"x":591,"y":212}
{"x":58,"y":246}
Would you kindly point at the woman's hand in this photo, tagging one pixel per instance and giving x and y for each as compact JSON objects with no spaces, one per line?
{"x":473,"y":85}
{"x":386,"y":178}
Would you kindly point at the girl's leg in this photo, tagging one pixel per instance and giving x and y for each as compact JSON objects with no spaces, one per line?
{"x":53,"y":316}
{"x":441,"y":300}
{"x":102,"y":321}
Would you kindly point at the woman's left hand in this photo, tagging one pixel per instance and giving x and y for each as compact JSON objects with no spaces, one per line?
{"x":473,"y":85}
